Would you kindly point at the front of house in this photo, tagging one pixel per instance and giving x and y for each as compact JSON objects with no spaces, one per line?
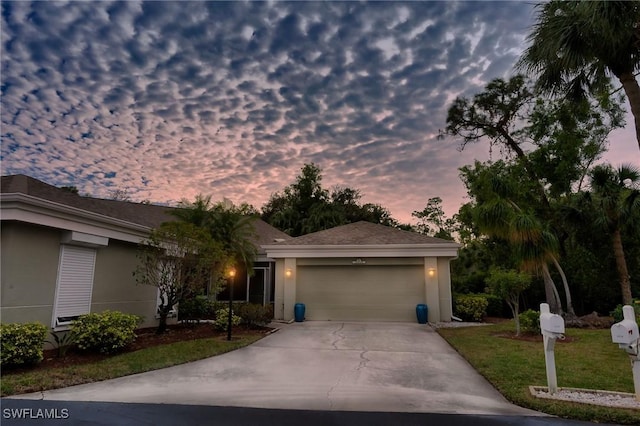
{"x":64,"y":255}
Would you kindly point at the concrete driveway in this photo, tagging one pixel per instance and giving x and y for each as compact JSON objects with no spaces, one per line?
{"x":391,"y":367}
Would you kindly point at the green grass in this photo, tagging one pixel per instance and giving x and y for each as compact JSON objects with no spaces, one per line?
{"x":590,"y":361}
{"x":124,"y":364}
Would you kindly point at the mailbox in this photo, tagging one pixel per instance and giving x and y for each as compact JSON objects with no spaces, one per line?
{"x":626,"y":331}
{"x":553,"y":323}
{"x":550,"y":323}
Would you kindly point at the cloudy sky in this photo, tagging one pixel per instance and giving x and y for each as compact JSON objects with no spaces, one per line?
{"x":170,"y":99}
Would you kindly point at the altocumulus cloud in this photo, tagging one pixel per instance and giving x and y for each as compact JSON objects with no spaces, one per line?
{"x":171,"y":99}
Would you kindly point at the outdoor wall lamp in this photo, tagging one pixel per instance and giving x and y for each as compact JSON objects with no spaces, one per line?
{"x":431,"y":272}
{"x":288,"y":272}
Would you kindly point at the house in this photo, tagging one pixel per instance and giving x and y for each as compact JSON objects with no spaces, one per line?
{"x":363,"y":271}
{"x":63,"y":255}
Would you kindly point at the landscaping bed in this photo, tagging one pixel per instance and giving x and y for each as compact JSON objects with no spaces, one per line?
{"x":181,"y":343}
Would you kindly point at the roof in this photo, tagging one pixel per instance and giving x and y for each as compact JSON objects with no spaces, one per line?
{"x":148,"y":215}
{"x":363,"y":233}
{"x":362,"y":239}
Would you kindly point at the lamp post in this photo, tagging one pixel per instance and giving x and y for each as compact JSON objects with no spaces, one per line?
{"x":232,"y":274}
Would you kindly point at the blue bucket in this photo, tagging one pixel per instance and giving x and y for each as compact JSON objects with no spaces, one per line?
{"x":422,"y":312}
{"x":298,"y":312}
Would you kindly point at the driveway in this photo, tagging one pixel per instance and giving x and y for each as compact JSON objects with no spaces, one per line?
{"x":391,"y":367}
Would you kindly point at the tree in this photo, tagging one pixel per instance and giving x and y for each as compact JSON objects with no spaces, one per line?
{"x":176,"y":258}
{"x":615,"y":194}
{"x":504,"y":209}
{"x":229,"y":225}
{"x":432,"y":220}
{"x":509,"y":284}
{"x":305,"y":206}
{"x":576,"y":45}
{"x":119,"y":195}
{"x":548,"y":143}
{"x":232,"y":226}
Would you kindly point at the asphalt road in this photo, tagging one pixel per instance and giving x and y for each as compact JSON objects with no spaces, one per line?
{"x":34,"y":412}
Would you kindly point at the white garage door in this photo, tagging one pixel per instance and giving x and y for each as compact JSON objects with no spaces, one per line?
{"x":361,"y":293}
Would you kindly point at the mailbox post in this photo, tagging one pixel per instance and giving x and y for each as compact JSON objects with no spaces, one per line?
{"x":552,"y":328}
{"x":625,"y":334}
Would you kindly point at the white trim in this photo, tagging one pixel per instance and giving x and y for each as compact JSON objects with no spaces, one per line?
{"x":29,"y":209}
{"x":353,"y":250}
{"x":82,"y":239}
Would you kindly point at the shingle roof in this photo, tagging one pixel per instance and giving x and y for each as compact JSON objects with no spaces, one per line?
{"x":150,"y":215}
{"x":362,"y":233}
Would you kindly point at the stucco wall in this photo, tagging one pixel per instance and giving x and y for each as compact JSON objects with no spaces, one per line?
{"x":29,"y":268}
{"x":30,"y":260}
{"x":114,"y":286}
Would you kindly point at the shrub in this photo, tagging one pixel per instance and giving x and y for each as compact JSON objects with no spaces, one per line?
{"x":22,"y":343}
{"x":106,"y":332}
{"x":195,"y":309}
{"x":470,"y":307}
{"x":617,"y":312}
{"x":254,"y":314}
{"x":495,"y":306}
{"x":530,"y":321}
{"x":222,"y":319}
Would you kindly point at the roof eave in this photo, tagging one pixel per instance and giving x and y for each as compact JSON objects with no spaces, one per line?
{"x":368,"y":250}
{"x":30,"y":209}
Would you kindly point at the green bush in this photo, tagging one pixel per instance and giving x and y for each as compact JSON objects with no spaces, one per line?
{"x":222,"y":319}
{"x":530,"y":321}
{"x":617,"y":312}
{"x":106,"y":332}
{"x":471,"y":307}
{"x":22,"y":343}
{"x":495,"y":306}
{"x":253,"y":314}
{"x":196,"y":308}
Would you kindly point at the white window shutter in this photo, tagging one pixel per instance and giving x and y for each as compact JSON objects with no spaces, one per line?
{"x":75,"y":283}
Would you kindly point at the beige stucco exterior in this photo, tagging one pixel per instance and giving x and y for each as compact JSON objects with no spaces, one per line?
{"x":30,"y":256}
{"x":30,"y":262}
{"x":363,"y":288}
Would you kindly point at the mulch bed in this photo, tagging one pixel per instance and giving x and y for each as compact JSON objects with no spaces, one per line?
{"x":146,"y":338}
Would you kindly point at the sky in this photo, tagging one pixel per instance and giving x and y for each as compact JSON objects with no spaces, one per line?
{"x":167,"y":100}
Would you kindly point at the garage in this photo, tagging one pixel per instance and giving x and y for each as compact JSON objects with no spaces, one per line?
{"x":361,"y":293}
{"x":362,"y":272}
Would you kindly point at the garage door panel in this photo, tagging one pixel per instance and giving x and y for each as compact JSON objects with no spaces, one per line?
{"x":369,"y":293}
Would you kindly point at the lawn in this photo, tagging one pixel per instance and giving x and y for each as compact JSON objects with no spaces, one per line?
{"x":139,"y":361}
{"x":589,"y":360}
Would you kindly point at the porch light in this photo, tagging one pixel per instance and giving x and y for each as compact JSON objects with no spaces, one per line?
{"x":431,"y":272}
{"x":288,"y":273}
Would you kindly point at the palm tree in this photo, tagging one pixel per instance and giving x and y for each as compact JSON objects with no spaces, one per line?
{"x":533,"y":241}
{"x":616,"y":195}
{"x":197,"y":213}
{"x":234,"y":229}
{"x":229,"y":225}
{"x":576,"y":46}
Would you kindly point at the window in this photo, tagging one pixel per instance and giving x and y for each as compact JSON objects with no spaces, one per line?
{"x":75,"y":284}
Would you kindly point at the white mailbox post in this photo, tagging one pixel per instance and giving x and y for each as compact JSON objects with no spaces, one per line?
{"x":625,"y":334}
{"x":552,"y":328}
